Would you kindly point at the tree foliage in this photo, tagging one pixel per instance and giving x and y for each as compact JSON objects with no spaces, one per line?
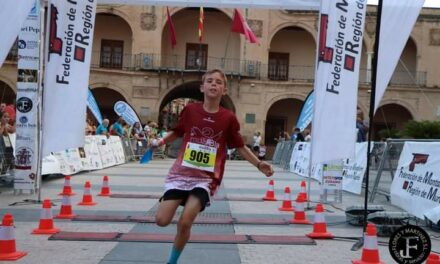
{"x":422,"y":130}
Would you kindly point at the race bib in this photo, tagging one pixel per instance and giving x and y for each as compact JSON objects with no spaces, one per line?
{"x":199,"y":157}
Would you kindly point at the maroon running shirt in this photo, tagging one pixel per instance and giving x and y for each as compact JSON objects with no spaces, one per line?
{"x":202,"y":156}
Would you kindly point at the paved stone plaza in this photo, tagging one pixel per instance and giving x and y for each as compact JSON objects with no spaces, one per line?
{"x":240,"y":180}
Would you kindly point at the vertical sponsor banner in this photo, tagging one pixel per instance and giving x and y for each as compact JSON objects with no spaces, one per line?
{"x":93,"y":106}
{"x":336,"y":83}
{"x":27,"y":101}
{"x":398,"y":19}
{"x":70,"y":26}
{"x":13,"y":13}
{"x":126,"y":112}
{"x":416,"y":184}
{"x":306,"y":114}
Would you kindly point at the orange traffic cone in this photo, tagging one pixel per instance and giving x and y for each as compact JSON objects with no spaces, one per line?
{"x":303,"y":191}
{"x":46,"y":220}
{"x":299,"y":216}
{"x":319,"y":225}
{"x":87,"y":197}
{"x":287,"y":201}
{"x":105,"y":189}
{"x":270,"y":193}
{"x":66,"y":209}
{"x":370,"y":253}
{"x":67,"y":189}
{"x":8,"y":250}
{"x":433,"y":259}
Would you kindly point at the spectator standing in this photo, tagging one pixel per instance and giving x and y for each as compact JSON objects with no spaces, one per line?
{"x":117,"y":128}
{"x":361,"y":130}
{"x":102,"y":129}
{"x":308,"y":136}
{"x":297,"y":135}
{"x":256,"y":143}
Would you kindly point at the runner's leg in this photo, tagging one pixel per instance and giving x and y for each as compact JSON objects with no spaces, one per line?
{"x":189,"y":214}
{"x":166,"y":211}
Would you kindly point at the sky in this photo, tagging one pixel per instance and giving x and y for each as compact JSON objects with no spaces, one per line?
{"x":428,"y":3}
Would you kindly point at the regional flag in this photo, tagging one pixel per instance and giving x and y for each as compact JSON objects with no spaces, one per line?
{"x":201,"y":18}
{"x":172,"y":31}
{"x":239,"y":25}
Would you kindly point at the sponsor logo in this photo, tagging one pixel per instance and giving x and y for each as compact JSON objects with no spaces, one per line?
{"x":418,"y":158}
{"x":32,"y":176}
{"x":21,"y":44}
{"x":23,"y":120}
{"x":23,"y":159}
{"x":121,"y":107}
{"x":409,"y":245}
{"x":24,"y":104}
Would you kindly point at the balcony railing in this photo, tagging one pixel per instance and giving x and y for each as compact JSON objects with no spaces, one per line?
{"x":246,"y":68}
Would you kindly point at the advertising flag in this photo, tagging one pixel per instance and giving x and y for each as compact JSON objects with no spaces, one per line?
{"x":70,"y":26}
{"x":306,"y":114}
{"x":93,"y":107}
{"x":336,"y":83}
{"x":127,"y":113}
{"x":239,"y":25}
{"x":398,"y":19}
{"x":13,"y":13}
{"x":172,"y":31}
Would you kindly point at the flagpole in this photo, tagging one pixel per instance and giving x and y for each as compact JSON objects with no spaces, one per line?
{"x":226,"y":49}
{"x":372,"y":100}
{"x":40,"y":103}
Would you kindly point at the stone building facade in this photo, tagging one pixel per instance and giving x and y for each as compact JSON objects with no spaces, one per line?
{"x":133,"y":61}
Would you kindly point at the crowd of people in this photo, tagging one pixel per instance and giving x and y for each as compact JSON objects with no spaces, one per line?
{"x":139,"y":134}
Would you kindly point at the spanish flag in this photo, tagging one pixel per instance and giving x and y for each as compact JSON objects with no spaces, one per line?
{"x":201,"y":18}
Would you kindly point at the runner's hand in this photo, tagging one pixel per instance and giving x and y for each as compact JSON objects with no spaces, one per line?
{"x":265,"y":168}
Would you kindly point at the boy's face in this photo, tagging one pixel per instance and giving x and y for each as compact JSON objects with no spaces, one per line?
{"x":213,"y":86}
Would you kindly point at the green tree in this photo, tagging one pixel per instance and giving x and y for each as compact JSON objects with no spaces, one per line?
{"x":422,"y":130}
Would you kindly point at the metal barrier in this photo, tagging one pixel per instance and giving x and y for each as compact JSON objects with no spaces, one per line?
{"x":276,"y":158}
{"x":286,"y":154}
{"x":128,"y":150}
{"x":389,"y":161}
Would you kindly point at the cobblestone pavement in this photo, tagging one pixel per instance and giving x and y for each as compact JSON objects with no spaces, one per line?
{"x":240,"y":180}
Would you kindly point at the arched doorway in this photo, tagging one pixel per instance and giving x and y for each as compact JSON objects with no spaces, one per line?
{"x":106,"y":99}
{"x":178,"y":97}
{"x":282,"y":116}
{"x":7,"y":94}
{"x":389,"y":119}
